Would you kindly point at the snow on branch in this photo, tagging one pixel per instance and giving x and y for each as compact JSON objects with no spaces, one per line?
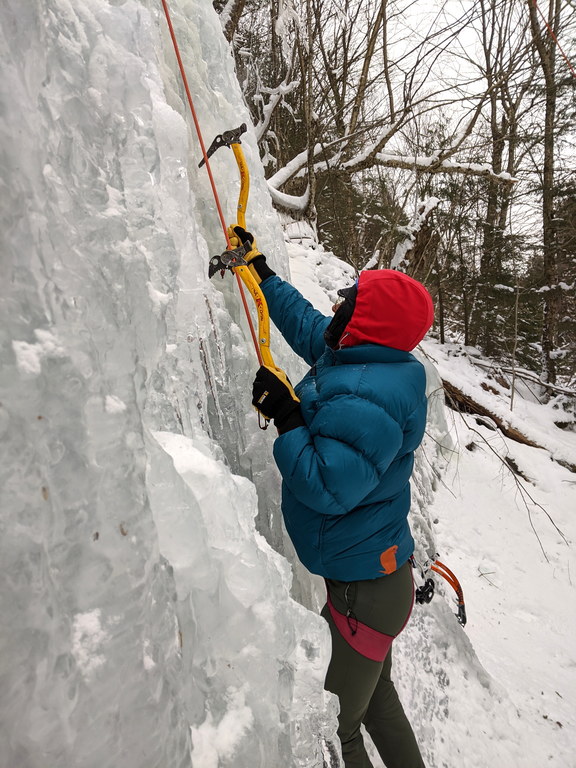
{"x":458,"y":400}
{"x":287,"y":20}
{"x":438,"y":162}
{"x":276,"y":96}
{"x":297,"y":203}
{"x":433,"y":164}
{"x":425,"y":208}
{"x":522,"y":373}
{"x":291,"y":169}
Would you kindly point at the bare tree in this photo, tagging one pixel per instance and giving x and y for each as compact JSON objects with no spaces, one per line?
{"x":230,"y":12}
{"x":364,"y":109}
{"x":546,"y":48}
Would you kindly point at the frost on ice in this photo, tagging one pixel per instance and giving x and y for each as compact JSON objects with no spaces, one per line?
{"x":216,"y":742}
{"x":88,"y":642}
{"x":29,"y":357}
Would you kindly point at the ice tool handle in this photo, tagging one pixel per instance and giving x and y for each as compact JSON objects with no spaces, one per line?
{"x":425,"y":593}
{"x":234,"y":258}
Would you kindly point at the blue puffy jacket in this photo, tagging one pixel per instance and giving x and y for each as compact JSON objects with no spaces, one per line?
{"x":345,"y":491}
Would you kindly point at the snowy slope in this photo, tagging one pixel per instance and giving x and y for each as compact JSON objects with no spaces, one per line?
{"x":147,"y":588}
{"x":511,"y":538}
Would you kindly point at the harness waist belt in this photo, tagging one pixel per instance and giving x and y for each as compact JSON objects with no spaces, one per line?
{"x":369,"y":642}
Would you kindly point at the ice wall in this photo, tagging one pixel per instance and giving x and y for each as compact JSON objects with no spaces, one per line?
{"x":145,"y":622}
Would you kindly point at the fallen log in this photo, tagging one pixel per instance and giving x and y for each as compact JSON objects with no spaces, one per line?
{"x":458,"y":401}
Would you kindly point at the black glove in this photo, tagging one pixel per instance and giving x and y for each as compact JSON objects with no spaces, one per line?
{"x":274,"y":397}
{"x":256,"y":260}
{"x":342,"y":317}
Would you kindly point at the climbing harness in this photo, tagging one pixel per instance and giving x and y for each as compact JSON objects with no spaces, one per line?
{"x":241,"y":271}
{"x":425,"y":592}
{"x":366,"y":641}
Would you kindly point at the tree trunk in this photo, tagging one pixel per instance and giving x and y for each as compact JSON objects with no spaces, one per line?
{"x":310,"y":214}
{"x":546,"y":49}
{"x":234,"y":9}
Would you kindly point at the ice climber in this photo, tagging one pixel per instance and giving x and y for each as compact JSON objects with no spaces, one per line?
{"x":345,"y":450}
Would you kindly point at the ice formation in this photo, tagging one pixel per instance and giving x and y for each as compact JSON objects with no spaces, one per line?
{"x":143,"y":616}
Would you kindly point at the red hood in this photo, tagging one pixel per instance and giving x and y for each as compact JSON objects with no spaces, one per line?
{"x":391,"y":309}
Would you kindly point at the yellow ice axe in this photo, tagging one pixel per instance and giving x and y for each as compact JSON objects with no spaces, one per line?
{"x":234,"y":259}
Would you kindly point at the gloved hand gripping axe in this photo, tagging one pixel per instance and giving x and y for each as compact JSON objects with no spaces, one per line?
{"x":234,"y":259}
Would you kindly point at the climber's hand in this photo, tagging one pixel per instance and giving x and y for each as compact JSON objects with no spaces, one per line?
{"x":274,"y":397}
{"x":255,"y":259}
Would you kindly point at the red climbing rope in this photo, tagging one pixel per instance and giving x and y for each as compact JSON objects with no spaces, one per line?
{"x":210,"y":176}
{"x":554,"y":37}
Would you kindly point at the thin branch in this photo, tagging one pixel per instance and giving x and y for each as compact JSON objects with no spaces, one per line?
{"x":524,"y":493}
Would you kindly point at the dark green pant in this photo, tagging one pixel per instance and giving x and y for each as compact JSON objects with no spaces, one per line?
{"x":366,"y":692}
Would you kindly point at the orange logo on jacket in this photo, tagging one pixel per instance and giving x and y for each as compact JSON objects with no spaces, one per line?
{"x":388,"y":560}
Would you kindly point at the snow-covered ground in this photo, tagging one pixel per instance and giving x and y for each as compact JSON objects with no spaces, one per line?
{"x":509,"y":534}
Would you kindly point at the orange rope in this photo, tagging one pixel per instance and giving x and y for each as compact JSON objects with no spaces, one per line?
{"x":555,"y":38}
{"x":210,"y":176}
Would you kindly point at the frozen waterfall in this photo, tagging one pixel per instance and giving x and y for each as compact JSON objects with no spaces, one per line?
{"x":138,"y":600}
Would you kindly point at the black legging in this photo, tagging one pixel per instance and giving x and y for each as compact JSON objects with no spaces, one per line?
{"x":365,"y":689}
